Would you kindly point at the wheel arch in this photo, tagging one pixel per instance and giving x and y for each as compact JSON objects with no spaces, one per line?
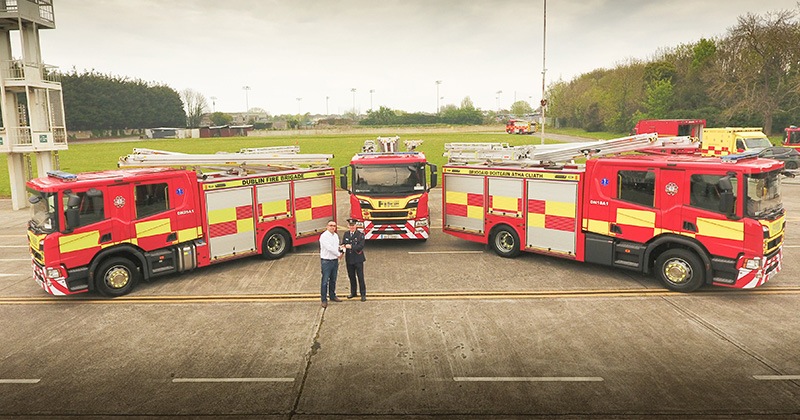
{"x":287,"y":233}
{"x":671,"y":241}
{"x":130,"y":252}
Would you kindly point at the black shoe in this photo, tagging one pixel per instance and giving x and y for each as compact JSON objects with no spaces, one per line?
{"x":363,"y":298}
{"x":351,"y":296}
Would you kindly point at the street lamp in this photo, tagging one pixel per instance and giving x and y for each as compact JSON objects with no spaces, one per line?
{"x":213,"y":104}
{"x":298,"y":105}
{"x":438,"y":82}
{"x":544,"y":68}
{"x":354,"y":100}
{"x":246,"y":100}
{"x":326,"y":105}
{"x":497,"y":99}
{"x":371,"y":91}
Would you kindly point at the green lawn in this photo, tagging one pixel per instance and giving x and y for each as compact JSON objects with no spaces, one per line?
{"x":82,"y":157}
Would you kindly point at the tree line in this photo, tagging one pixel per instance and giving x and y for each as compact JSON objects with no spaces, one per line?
{"x":94,"y":101}
{"x":749,"y":77}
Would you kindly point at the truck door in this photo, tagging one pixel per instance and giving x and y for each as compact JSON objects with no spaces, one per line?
{"x":670,"y":195}
{"x":464,"y":208}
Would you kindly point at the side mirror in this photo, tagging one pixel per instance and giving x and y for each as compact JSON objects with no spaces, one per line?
{"x":343,"y":177}
{"x":433,"y":169}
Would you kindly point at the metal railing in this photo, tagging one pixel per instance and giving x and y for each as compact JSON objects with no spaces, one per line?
{"x":19,"y":70}
{"x":19,"y":136}
{"x":60,"y":135}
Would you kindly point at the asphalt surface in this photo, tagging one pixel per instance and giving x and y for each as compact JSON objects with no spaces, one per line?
{"x":448,"y":329}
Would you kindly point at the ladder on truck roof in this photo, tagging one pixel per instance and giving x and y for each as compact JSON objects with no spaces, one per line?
{"x":388,"y":145}
{"x":250,"y":160}
{"x":500,"y":153}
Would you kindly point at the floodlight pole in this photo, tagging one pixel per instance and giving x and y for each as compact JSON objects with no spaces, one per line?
{"x":544,"y":68}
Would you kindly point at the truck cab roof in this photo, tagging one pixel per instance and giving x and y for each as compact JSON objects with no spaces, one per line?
{"x":58,"y":180}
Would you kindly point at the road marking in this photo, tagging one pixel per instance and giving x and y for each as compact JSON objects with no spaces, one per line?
{"x":15,"y":259}
{"x":207,"y":380}
{"x":527,"y":379}
{"x":13,"y":246}
{"x":791,"y":246}
{"x":19,"y":381}
{"x":777,"y":377}
{"x":10,"y":275}
{"x":444,"y":252}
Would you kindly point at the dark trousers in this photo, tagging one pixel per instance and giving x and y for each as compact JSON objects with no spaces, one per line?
{"x":329,"y":272}
{"x":353,"y":271}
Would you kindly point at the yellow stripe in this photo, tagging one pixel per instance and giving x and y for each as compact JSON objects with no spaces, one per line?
{"x":152,"y":228}
{"x":244,"y":225}
{"x":321,"y":200}
{"x":303,"y":215}
{"x":189,"y":234}
{"x":79,"y":241}
{"x":723,"y":229}
{"x":554,"y":208}
{"x":505,"y":203}
{"x":475,"y":212}
{"x":274,"y":207}
{"x":775,"y":227}
{"x":597,"y":226}
{"x":221,"y":216}
{"x":630,"y":217}
{"x":455,"y":197}
{"x":536,"y":220}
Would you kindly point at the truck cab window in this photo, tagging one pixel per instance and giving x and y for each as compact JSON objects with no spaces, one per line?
{"x":151,"y":199}
{"x":705,"y":193}
{"x":90,"y":210}
{"x":637,"y":187}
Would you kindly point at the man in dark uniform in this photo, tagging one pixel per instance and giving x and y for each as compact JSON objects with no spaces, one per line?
{"x":353,"y":244}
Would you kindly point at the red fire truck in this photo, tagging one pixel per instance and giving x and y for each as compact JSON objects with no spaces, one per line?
{"x":690,"y":220}
{"x":389,"y":194}
{"x":792,"y":137}
{"x":517,"y":126}
{"x":668,"y":128}
{"x":106,"y":231}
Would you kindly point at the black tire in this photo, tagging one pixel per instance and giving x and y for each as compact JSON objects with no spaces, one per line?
{"x":275,"y":245}
{"x":116,"y":276}
{"x":505,"y":242}
{"x":680,"y":270}
{"x":791,"y":165}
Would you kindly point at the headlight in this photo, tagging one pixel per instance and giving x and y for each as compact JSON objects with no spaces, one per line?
{"x":53,"y":273}
{"x":752,"y":264}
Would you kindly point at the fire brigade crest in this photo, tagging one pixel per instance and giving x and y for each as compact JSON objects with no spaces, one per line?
{"x":671,"y":188}
{"x":119,"y":201}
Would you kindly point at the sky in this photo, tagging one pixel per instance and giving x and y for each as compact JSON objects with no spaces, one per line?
{"x":307,"y":56}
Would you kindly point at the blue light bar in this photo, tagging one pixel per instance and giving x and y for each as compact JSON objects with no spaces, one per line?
{"x":66,"y":176}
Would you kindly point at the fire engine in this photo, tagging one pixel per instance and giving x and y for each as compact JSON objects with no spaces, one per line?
{"x":671,"y":128}
{"x":792,"y":137}
{"x":690,"y":220}
{"x":106,"y":231}
{"x":515,"y":126}
{"x":389,"y":194}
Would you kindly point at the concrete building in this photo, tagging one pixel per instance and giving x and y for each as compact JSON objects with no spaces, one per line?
{"x":31,"y":102}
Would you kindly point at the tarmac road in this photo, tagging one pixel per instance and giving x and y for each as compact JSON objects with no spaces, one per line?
{"x":448,"y":329}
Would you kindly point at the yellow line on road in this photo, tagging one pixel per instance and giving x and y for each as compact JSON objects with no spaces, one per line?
{"x":474,"y":295}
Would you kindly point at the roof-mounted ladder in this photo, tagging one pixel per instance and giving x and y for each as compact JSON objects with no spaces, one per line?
{"x":388,"y":145}
{"x":251,"y":160}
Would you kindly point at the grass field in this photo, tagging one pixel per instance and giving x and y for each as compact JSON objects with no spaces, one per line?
{"x":87,"y":157}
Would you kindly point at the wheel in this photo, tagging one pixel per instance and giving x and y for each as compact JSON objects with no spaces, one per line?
{"x":116,"y":277}
{"x":680,"y":270}
{"x":505,"y":242}
{"x":276,"y":244}
{"x":791,"y":165}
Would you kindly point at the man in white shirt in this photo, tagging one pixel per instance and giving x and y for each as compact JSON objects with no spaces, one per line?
{"x":329,"y":253}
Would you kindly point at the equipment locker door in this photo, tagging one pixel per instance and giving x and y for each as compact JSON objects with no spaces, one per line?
{"x":313,"y":205}
{"x":273,"y":201}
{"x":231,"y":229}
{"x":551,"y":216}
{"x":463,"y":203}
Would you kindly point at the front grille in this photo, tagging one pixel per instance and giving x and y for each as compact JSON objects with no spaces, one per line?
{"x":775,"y":242}
{"x":389,"y":214}
{"x":37,"y":255}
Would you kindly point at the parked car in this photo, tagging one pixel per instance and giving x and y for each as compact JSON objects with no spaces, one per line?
{"x":789,"y":156}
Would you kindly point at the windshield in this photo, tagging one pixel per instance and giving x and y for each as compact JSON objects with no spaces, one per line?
{"x":389,"y":179}
{"x":757,"y":143}
{"x":43,"y":211}
{"x":763,"y":192}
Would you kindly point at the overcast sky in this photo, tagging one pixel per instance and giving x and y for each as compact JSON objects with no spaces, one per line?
{"x":313,"y":49}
